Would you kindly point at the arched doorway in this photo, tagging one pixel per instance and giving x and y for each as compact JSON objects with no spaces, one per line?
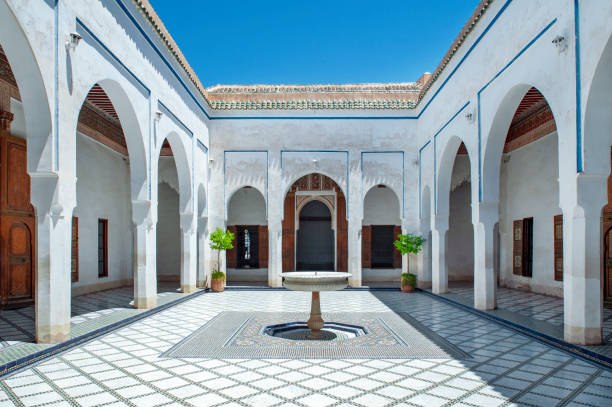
{"x":320,"y":188}
{"x":315,"y":238}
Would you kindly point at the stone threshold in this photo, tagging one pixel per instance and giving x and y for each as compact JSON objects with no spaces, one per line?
{"x":38,"y":356}
{"x":551,"y":337}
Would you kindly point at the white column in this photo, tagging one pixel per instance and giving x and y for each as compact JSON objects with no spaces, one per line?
{"x":202,"y":253}
{"x":582,"y":257}
{"x":439,"y":277}
{"x":275,"y":222}
{"x":355,"y":218}
{"x":484,"y":218}
{"x":188,"y":251}
{"x":53,"y":255}
{"x":145,"y":262}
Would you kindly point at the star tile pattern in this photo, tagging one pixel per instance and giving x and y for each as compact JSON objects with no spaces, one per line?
{"x":124,"y":368}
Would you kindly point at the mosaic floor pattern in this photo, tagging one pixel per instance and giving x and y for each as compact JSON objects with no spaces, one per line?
{"x":124,"y":367}
{"x":242,"y":335}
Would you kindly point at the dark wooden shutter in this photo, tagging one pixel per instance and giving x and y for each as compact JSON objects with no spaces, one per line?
{"x":102,"y":247}
{"x":558,"y":231}
{"x":528,"y":247}
{"x":517,"y":247}
{"x":288,"y":243}
{"x":263,"y":247}
{"x":342,"y":231}
{"x":397,"y":256}
{"x":366,"y":247}
{"x":231,"y":255}
{"x":75,"y":250}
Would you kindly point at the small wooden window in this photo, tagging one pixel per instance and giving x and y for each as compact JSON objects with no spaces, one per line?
{"x":75,"y":250}
{"x":558,"y":231}
{"x":522,"y":250}
{"x":102,"y":248}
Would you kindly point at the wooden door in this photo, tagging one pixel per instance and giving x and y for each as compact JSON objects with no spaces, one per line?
{"x":607,"y":264}
{"x":17,"y":223}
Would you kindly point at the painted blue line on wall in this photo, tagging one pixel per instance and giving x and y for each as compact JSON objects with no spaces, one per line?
{"x":174,"y":118}
{"x":421,"y":176}
{"x":403,"y":173}
{"x":56,"y":114}
{"x":578,"y":89}
{"x":158,"y":52}
{"x":267,"y":174}
{"x":514,"y":59}
{"x":202,"y":146}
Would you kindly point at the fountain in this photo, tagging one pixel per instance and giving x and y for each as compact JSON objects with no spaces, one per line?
{"x":315,"y":282}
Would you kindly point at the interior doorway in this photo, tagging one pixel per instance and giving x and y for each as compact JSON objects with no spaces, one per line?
{"x":382,"y":246}
{"x":247,"y":244}
{"x":315,"y":240}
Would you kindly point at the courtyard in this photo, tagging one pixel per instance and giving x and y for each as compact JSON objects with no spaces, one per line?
{"x":127,"y":366}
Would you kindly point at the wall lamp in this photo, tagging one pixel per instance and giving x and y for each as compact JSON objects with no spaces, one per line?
{"x":72,"y":41}
{"x":560,"y":43}
{"x":158,"y":116}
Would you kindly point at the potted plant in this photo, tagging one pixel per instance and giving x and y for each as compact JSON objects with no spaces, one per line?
{"x":405,"y":244}
{"x":220,"y":240}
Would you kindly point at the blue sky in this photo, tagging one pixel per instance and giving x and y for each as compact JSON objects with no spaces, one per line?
{"x":313,"y":41}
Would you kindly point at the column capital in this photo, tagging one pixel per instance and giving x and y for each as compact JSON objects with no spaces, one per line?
{"x":5,"y":120}
{"x":187,"y":222}
{"x":141,"y":213}
{"x":441,"y":222}
{"x":485,"y":212}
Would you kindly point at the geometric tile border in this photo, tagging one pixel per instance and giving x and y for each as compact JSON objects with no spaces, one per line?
{"x":574,"y":350}
{"x":240,"y":335}
{"x":28,"y":360}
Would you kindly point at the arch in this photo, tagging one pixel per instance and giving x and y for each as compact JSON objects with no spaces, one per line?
{"x":233,"y":191}
{"x":316,"y":238}
{"x":396,"y":200}
{"x":251,"y":217}
{"x":305,"y":173}
{"x":496,"y":139}
{"x":39,"y":128}
{"x":131,"y":132}
{"x":301,"y":206}
{"x":445,"y":173}
{"x":182,"y":163}
{"x":598,"y":118}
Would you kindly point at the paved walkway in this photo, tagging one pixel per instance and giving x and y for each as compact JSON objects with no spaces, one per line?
{"x":125,"y":368}
{"x":538,"y":312}
{"x":89,"y":312}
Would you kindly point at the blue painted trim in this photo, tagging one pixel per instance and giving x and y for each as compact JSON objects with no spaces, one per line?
{"x":267,"y":175}
{"x":130,"y":75}
{"x":521,"y":52}
{"x":202,"y":146}
{"x":579,"y":166}
{"x":56,"y":84}
{"x":174,"y":118}
{"x":150,"y":181}
{"x":403,"y":173}
{"x":316,"y":118}
{"x":158,"y":52}
{"x":436,"y":154}
{"x":421,"y":177}
{"x":555,"y":343}
{"x":26,"y":361}
{"x":325,"y":151}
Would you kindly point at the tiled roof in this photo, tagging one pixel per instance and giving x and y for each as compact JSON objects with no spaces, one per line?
{"x":290,"y":97}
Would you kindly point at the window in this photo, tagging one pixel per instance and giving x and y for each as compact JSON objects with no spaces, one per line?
{"x":522,"y":263}
{"x":74,"y":265}
{"x":558,"y":230}
{"x":102,"y":248}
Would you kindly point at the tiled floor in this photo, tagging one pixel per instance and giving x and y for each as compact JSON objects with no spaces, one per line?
{"x":89,"y":312}
{"x":125,"y":368}
{"x":532,"y":305}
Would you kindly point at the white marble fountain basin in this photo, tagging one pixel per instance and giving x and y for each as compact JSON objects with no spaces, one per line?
{"x":315,"y":280}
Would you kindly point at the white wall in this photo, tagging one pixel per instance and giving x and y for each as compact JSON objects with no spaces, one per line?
{"x":529,"y":188}
{"x":168,"y":222}
{"x":103,"y":191}
{"x":460,"y":235}
{"x":381,"y":207}
{"x":247,"y":207}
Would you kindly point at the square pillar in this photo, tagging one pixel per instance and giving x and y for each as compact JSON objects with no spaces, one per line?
{"x":202,"y":253}
{"x":484,"y":218}
{"x":188,"y":253}
{"x":145,"y":267}
{"x":439,"y":270}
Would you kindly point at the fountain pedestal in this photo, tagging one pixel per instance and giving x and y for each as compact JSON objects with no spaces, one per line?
{"x":315,"y":282}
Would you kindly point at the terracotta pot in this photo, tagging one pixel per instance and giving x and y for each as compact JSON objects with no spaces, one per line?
{"x":218,"y":285}
{"x":407,"y":288}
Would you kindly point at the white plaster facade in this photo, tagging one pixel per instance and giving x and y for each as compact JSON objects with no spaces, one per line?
{"x":470,"y":100}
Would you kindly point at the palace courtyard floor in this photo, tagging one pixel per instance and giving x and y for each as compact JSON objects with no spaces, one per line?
{"x":133,"y":365}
